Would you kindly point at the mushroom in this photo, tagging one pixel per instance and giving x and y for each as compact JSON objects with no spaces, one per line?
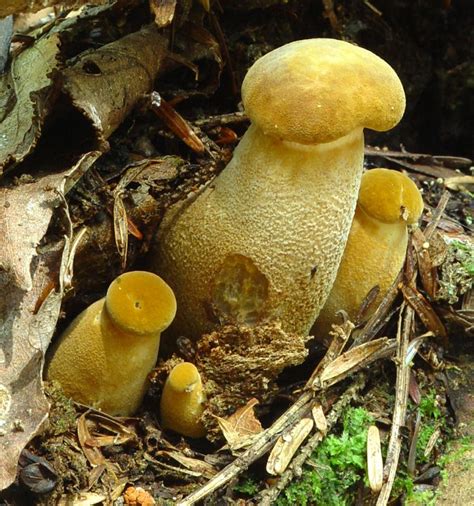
{"x":182,"y":401}
{"x":376,"y":248}
{"x":104,"y":356}
{"x":264,"y":239}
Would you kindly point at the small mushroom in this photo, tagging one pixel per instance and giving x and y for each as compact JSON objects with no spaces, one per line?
{"x":376,"y":248}
{"x":104,"y":356}
{"x":182,"y":401}
{"x":265,"y":238}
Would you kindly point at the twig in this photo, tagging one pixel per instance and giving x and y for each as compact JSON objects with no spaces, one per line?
{"x":436,"y":216}
{"x":269,"y":495}
{"x":401,"y":397}
{"x":222,"y":119}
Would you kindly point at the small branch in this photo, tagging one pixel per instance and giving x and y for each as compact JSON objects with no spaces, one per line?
{"x":436,"y":217}
{"x":401,"y":397}
{"x":268,"y":496}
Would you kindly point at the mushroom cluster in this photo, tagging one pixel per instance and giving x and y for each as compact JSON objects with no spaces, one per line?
{"x":264,"y":239}
{"x":104,"y":356}
{"x":375,"y":252}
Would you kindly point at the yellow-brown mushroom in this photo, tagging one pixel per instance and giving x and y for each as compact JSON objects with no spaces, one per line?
{"x":182,"y":401}
{"x":105,"y":355}
{"x":376,"y":248}
{"x":265,"y":238}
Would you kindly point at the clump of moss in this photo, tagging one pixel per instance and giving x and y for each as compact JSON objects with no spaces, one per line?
{"x":430,"y":413}
{"x":457,"y":272}
{"x":335,"y":466}
{"x":62,"y":415}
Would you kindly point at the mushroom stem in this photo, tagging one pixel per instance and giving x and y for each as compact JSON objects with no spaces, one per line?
{"x":265,"y":266}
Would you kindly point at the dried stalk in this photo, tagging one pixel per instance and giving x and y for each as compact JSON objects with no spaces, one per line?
{"x":436,"y":216}
{"x":268,"y":496}
{"x":401,"y":396}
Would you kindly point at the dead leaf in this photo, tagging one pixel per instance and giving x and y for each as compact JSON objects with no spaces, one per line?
{"x":374,"y":459}
{"x":25,"y":99}
{"x":240,"y":428}
{"x":196,"y":465}
{"x":25,"y":330}
{"x":428,"y":272}
{"x":17,"y":6}
{"x":287,"y":445}
{"x":163,"y":10}
{"x":424,"y":310}
{"x":175,"y":122}
{"x":460,"y":183}
{"x":92,"y":453}
{"x":82,"y":499}
{"x":351,"y":359}
{"x":319,"y":418}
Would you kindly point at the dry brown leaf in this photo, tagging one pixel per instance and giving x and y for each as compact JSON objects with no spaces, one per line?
{"x":175,"y":122}
{"x":25,"y":328}
{"x":92,"y":453}
{"x":424,"y":310}
{"x":25,"y":99}
{"x":16,"y":6}
{"x":351,"y":359}
{"x":460,"y":183}
{"x":82,"y":499}
{"x":119,"y":430}
{"x":428,"y":272}
{"x":374,"y":459}
{"x":287,"y":445}
{"x":163,"y":10}
{"x":199,"y":466}
{"x":240,"y":428}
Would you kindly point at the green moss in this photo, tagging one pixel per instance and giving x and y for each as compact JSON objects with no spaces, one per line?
{"x":335,"y":466}
{"x":457,"y":272}
{"x":247,"y":486}
{"x":62,"y":415}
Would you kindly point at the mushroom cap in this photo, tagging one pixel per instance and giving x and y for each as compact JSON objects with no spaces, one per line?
{"x":140,"y":303}
{"x":318,"y":90}
{"x":184,"y":377}
{"x":390,"y":196}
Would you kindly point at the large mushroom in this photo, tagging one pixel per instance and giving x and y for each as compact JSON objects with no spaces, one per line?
{"x":265,"y":238}
{"x":104,"y":356}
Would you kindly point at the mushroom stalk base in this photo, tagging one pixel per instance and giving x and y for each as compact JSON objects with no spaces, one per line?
{"x":265,"y":238}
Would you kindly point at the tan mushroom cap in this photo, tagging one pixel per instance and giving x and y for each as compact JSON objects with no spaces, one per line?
{"x":390,"y":196}
{"x":140,"y":303}
{"x":318,"y":90}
